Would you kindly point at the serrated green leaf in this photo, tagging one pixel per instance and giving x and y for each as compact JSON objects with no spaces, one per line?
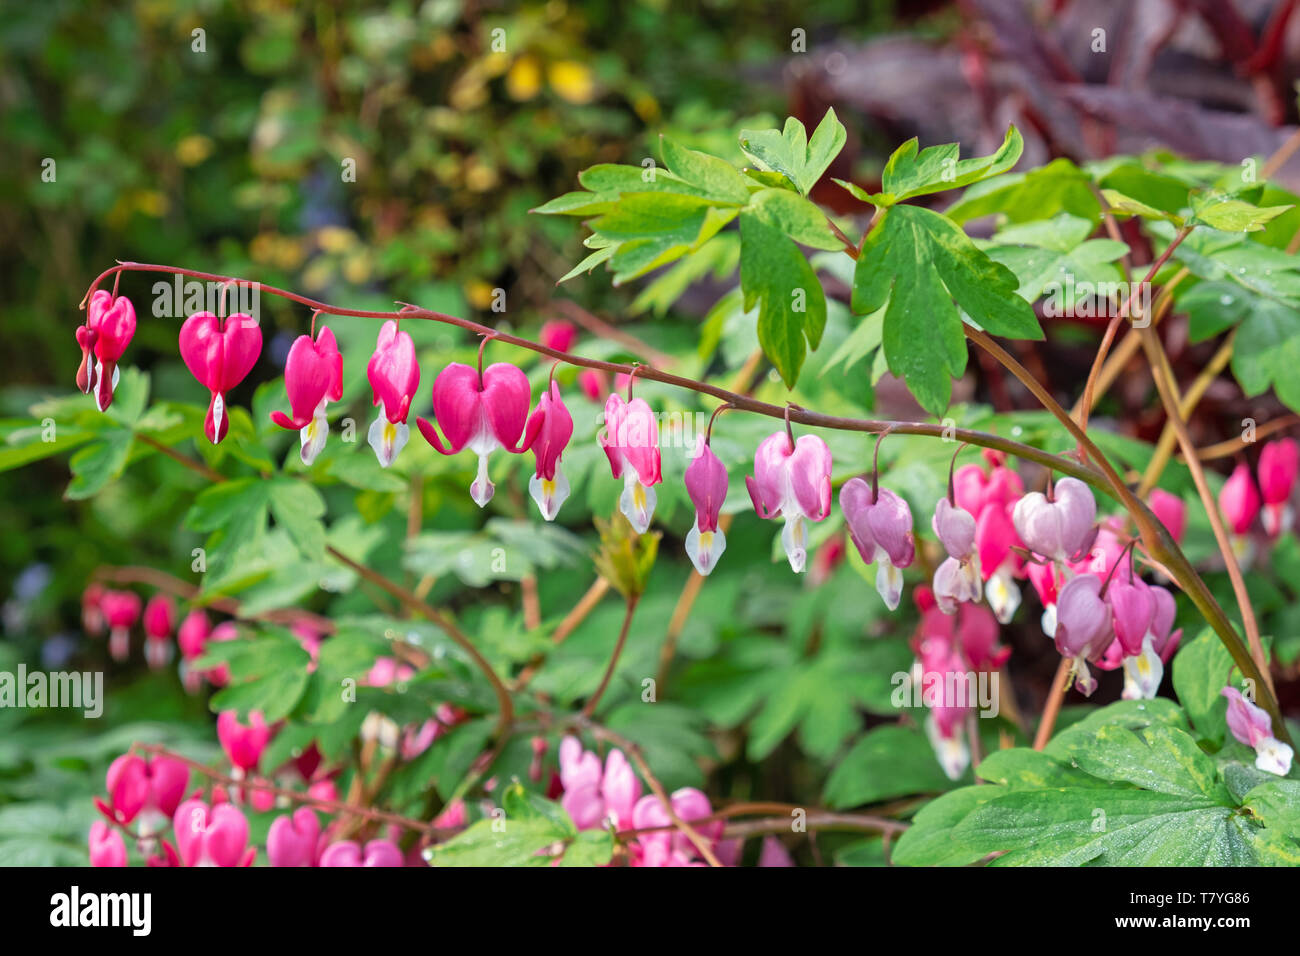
{"x":100,"y":462}
{"x":297,"y":507}
{"x":777,"y":278}
{"x":934,"y":169}
{"x":711,"y":176}
{"x":798,"y":218}
{"x":916,"y":263}
{"x":790,"y":153}
{"x":1202,"y":668}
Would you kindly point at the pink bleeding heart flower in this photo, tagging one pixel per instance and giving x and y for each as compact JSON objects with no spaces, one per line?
{"x":349,"y":853}
{"x":1144,"y":667}
{"x":955,"y":529}
{"x":292,"y":840}
{"x":212,"y":837}
{"x":1058,"y":527}
{"x":552,"y":426}
{"x":394,"y":376}
{"x":1046,"y":580}
{"x":121,"y":610}
{"x":792,"y":480}
{"x":92,"y":615}
{"x":631,"y":442}
{"x":558,"y":334}
{"x":243,"y":743}
{"x":110,"y":325}
{"x":1279,"y":463}
{"x":938,"y":661}
{"x":192,"y":637}
{"x":1251,"y":725}
{"x":313,"y":377}
{"x":1083,"y":627}
{"x":107,"y":848}
{"x":706,"y":483}
{"x":957,"y":579}
{"x":1238,"y":500}
{"x":159,"y":619}
{"x":220,"y":353}
{"x":1170,"y":510}
{"x":594,"y":383}
{"x":86,"y":337}
{"x":593,"y":796}
{"x":1133,"y":608}
{"x":149,"y":790}
{"x":667,"y":846}
{"x":774,"y":853}
{"x":219,"y":676}
{"x":977,"y":635}
{"x":880,"y":526}
{"x":482,"y":413}
{"x":995,"y":539}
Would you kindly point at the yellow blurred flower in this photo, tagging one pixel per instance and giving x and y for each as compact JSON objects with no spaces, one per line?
{"x":193,"y":149}
{"x":525,"y":78}
{"x":572,"y":81}
{"x":150,"y":202}
{"x":478,"y":294}
{"x":480,"y":178}
{"x":336,"y":238}
{"x":356,"y":269}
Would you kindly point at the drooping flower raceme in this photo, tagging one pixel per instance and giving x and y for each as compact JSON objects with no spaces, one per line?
{"x":394,"y":376}
{"x":792,"y":479}
{"x":631,"y":442}
{"x":1251,"y":725}
{"x":482,"y":413}
{"x":957,"y":579}
{"x":880,"y":526}
{"x":313,"y":377}
{"x":1279,"y":464}
{"x":220,"y":353}
{"x":552,"y":426}
{"x":706,"y":483}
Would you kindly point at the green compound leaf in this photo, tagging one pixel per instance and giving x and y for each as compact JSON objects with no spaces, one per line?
{"x":924,"y":267}
{"x":777,"y":278}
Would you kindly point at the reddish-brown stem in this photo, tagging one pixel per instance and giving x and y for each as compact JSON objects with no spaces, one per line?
{"x":743,"y":402}
{"x":594,"y":699}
